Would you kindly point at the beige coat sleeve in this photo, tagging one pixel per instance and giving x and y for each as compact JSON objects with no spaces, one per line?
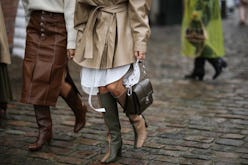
{"x":4,"y":46}
{"x":82,"y":11}
{"x":138,"y":16}
{"x":69,"y":9}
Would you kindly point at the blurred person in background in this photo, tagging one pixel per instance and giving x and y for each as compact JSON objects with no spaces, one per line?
{"x":50,"y":43}
{"x":202,"y":36}
{"x":243,"y":12}
{"x":5,"y":87}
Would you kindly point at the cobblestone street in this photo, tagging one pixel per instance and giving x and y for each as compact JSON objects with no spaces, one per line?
{"x":190,"y":122}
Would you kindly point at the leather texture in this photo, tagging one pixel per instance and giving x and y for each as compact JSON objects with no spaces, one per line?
{"x":140,"y":99}
{"x":45,"y":58}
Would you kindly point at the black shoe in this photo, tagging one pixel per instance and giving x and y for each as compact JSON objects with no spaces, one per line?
{"x":218,"y":64}
{"x":194,"y":76}
{"x":242,"y":23}
{"x":198,"y":71}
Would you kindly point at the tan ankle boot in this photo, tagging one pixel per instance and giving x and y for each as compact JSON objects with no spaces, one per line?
{"x":138,"y":122}
{"x":139,"y":126}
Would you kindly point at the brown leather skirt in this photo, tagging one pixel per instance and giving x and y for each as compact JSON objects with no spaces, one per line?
{"x":45,"y":58}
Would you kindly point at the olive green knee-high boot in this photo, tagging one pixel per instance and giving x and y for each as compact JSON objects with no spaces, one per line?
{"x":138,"y":122}
{"x":111,"y":118}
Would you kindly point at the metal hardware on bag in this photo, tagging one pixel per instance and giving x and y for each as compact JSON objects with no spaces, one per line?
{"x":147,"y":100}
{"x":129,"y":91}
{"x":144,"y":68}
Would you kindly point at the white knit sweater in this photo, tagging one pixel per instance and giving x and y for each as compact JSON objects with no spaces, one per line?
{"x":59,"y":6}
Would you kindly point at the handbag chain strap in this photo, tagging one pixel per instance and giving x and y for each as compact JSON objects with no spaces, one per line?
{"x":143,"y":68}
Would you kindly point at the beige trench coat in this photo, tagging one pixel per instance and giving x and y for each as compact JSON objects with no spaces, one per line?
{"x":4,"y":46}
{"x":109,"y":31}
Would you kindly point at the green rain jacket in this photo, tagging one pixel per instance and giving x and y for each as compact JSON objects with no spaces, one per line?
{"x":209,"y":14}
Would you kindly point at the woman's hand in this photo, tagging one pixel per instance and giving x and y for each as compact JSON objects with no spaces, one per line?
{"x":70,"y":53}
{"x":140,"y":55}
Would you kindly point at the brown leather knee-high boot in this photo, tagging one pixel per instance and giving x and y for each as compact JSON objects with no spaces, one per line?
{"x":72,"y":97}
{"x":79,"y":109}
{"x":44,"y":122}
{"x":138,"y":122}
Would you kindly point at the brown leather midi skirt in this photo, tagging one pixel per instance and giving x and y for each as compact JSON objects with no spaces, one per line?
{"x":45,"y":58}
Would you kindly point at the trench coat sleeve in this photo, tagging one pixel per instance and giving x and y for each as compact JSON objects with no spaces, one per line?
{"x":69,"y":9}
{"x":138,"y":16}
{"x":4,"y":46}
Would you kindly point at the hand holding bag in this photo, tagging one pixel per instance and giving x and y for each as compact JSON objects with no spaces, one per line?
{"x":139,"y":96}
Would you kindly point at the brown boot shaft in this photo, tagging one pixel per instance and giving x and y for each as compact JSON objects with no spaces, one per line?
{"x":73,"y":99}
{"x":44,"y":122}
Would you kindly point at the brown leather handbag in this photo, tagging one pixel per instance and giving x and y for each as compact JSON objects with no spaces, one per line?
{"x":196,"y":34}
{"x":140,"y":98}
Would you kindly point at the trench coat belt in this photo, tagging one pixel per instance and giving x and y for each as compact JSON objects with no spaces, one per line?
{"x":89,"y":28}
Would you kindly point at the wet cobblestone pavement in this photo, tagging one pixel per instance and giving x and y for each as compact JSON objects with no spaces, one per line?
{"x":190,"y":122}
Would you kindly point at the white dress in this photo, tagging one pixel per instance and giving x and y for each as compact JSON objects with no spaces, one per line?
{"x":91,"y":79}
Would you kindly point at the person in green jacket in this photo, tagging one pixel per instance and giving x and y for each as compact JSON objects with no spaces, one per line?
{"x":202,"y":36}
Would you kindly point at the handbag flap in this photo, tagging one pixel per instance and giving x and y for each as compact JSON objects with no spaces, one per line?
{"x":143,"y":88}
